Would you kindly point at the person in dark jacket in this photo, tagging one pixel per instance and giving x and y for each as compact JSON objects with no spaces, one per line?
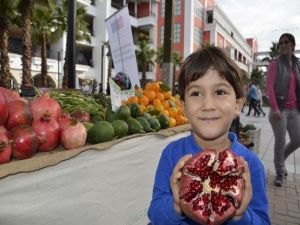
{"x":283,"y":87}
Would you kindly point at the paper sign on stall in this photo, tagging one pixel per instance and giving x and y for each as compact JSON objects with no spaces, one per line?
{"x":123,"y":55}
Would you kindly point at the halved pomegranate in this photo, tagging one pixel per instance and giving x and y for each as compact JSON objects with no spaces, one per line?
{"x":211,"y":186}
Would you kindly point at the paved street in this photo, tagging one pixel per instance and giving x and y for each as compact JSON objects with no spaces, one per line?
{"x":284,"y":201}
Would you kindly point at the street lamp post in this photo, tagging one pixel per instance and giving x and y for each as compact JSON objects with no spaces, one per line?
{"x":71,"y":47}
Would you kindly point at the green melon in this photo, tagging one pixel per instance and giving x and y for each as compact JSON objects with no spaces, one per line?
{"x":102,"y":131}
{"x":120,"y":128}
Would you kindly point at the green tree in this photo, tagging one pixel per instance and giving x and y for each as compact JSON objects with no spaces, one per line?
{"x":26,"y":11}
{"x":177,"y":61}
{"x":145,"y":57}
{"x":258,"y":76}
{"x":274,"y":51}
{"x":7,"y":13}
{"x":46,"y":29}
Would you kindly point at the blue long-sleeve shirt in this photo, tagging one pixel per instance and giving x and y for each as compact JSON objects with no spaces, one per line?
{"x":252,"y":94}
{"x":162,"y":212}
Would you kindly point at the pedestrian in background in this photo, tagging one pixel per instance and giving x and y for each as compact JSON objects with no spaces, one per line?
{"x":283,"y":87}
{"x":259,"y":102}
{"x":252,"y":95}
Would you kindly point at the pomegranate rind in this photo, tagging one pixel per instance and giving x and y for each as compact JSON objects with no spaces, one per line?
{"x":227,"y":172}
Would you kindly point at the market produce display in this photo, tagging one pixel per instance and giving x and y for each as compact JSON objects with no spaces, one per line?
{"x":71,"y":120}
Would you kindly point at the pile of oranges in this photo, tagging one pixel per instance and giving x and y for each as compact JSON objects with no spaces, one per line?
{"x":153,"y":98}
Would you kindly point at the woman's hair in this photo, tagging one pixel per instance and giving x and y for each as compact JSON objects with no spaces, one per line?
{"x":290,"y":37}
{"x":198,"y":63}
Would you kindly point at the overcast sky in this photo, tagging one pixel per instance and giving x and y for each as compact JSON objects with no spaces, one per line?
{"x":264,"y":20}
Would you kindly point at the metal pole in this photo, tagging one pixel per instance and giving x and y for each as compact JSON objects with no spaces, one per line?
{"x":167,"y":61}
{"x":58,"y":59}
{"x":102,"y":59}
{"x":71,"y":43}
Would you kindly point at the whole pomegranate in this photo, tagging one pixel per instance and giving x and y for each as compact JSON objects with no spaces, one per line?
{"x":74,"y":135}
{"x":81,"y":116}
{"x":43,"y":104}
{"x":18,"y":114}
{"x":5,"y":149}
{"x":24,"y":142}
{"x":3,"y":109}
{"x":47,"y":130}
{"x":63,"y":120}
{"x":9,"y":95}
{"x":211,"y":186}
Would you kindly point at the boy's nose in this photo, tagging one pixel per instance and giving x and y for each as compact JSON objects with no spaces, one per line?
{"x":208,"y":103}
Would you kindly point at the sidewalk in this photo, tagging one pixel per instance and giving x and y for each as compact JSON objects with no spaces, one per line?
{"x":284,"y":201}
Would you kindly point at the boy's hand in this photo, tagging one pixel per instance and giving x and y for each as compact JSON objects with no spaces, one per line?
{"x":247,"y":191}
{"x":174,"y":181}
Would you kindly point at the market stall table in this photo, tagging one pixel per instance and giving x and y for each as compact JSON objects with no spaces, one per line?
{"x":111,"y":187}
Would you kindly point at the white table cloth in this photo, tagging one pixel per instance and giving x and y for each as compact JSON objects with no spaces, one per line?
{"x":110,"y":187}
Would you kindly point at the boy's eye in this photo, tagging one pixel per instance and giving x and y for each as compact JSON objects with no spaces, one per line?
{"x":195,"y":93}
{"x":220,"y":92}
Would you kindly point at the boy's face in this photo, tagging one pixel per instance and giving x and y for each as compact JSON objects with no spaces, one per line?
{"x":211,"y":105}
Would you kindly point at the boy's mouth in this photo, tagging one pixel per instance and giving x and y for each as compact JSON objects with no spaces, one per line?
{"x":208,"y":119}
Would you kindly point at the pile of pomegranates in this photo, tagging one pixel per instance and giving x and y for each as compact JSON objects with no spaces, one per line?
{"x":27,"y":127}
{"x":211,"y":186}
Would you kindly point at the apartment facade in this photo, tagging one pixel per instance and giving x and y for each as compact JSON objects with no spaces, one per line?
{"x":200,"y":22}
{"x":195,"y":22}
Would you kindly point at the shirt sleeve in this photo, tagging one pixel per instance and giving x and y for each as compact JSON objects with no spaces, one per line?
{"x":161,"y":210}
{"x":271,"y":77}
{"x":257,"y":211}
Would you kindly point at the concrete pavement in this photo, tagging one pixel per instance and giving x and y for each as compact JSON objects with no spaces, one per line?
{"x":284,"y":201}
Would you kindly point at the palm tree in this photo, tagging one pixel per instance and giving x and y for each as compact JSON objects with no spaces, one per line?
{"x":45,"y":29}
{"x":274,"y":51}
{"x":257,"y":76}
{"x":7,"y":12}
{"x":81,"y":31}
{"x":177,"y":61}
{"x":25,"y":9}
{"x":144,"y":55}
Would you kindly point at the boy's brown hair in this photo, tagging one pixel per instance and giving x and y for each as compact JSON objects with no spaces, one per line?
{"x":198,"y":63}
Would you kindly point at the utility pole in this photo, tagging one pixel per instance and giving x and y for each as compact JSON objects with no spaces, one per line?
{"x":168,"y":43}
{"x":71,"y":47}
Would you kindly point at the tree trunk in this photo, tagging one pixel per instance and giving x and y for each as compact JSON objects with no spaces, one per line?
{"x":109,"y":75}
{"x":5,"y":75}
{"x":65,"y":77}
{"x":26,"y":58}
{"x":44,"y":71}
{"x":144,"y":78}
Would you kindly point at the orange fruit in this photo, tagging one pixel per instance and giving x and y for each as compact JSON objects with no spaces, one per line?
{"x":156,"y":103}
{"x":165,"y":104}
{"x":150,"y":94}
{"x":167,"y":94}
{"x":165,"y":112}
{"x":172,"y":122}
{"x":142,"y":108}
{"x":160,"y":96}
{"x":132,"y":99}
{"x":173,"y":112}
{"x":155,"y":87}
{"x":144,"y":100}
{"x":180,"y":120}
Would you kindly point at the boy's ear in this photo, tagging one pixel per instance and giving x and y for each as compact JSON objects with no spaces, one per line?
{"x":239,"y":106}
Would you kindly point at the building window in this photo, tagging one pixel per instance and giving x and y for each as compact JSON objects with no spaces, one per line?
{"x":210,"y":16}
{"x":163,"y":7}
{"x":177,"y":9}
{"x":162,"y":34}
{"x":198,"y":10}
{"x":198,"y":36}
{"x":176,"y":33}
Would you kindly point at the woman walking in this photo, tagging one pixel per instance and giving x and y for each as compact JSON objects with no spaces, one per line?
{"x":283,"y":87}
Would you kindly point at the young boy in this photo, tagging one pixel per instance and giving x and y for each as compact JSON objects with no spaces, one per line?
{"x":211,"y":90}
